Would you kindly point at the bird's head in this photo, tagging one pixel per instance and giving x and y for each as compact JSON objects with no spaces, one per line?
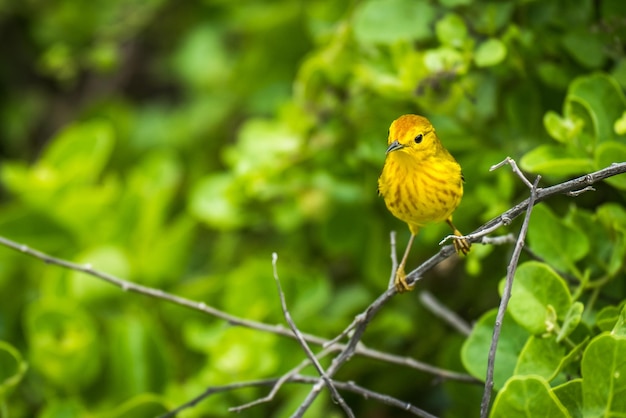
{"x":413,"y":135}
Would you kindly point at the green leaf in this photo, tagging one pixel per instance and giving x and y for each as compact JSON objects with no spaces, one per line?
{"x":562,"y":129}
{"x":453,"y":3}
{"x":489,"y":53}
{"x":12,"y":369}
{"x":444,"y":59}
{"x":63,"y":408}
{"x":608,"y":153}
{"x":571,"y":396}
{"x":490,"y":17}
{"x":558,"y":244}
{"x":603,"y":369}
{"x":606,"y":232}
{"x":527,"y":396}
{"x":216,"y":200}
{"x":475,"y":349}
{"x":263,"y":147}
{"x":607,"y":318}
{"x":555,"y":75}
{"x":571,"y":321}
{"x":138,"y":346}
{"x":585,"y":48}
{"x":613,"y":215}
{"x":556,"y":160}
{"x":145,"y":405}
{"x":601,"y":98}
{"x":620,"y":125}
{"x":253,"y":274}
{"x":537,"y":290}
{"x":106,"y":258}
{"x":80,"y":152}
{"x":202,"y":60}
{"x":574,"y":355}
{"x":620,"y":325}
{"x":540,"y":356}
{"x":75,"y":158}
{"x":64,"y":344}
{"x":389,"y":21}
{"x":451,"y":30}
{"x":545,"y":357}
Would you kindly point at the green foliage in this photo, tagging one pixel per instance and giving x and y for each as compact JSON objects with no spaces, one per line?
{"x":539,"y":296}
{"x":476,"y":348}
{"x":13,"y":367}
{"x":588,"y":132}
{"x":178,"y":145}
{"x":512,"y":401}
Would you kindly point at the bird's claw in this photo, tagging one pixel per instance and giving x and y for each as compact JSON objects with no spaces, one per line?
{"x":400,"y":282}
{"x":461,"y":246}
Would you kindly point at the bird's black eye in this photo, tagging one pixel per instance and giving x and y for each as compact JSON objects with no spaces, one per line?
{"x":418,"y":138}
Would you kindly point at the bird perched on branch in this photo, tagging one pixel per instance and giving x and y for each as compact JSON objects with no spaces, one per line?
{"x":421,"y":182}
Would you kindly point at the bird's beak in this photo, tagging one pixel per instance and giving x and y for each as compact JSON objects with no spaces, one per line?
{"x":395,"y":145}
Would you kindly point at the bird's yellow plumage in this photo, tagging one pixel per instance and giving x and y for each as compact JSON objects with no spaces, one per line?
{"x":421,"y":182}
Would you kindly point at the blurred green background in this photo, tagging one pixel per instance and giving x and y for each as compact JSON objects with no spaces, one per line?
{"x":179,"y":144}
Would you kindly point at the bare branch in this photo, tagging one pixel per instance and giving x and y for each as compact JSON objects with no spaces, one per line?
{"x":282,"y":380}
{"x":156,"y":293}
{"x":576,"y":193}
{"x":450,"y":317}
{"x":217,"y":389}
{"x":515,"y":168}
{"x":297,"y":378}
{"x":350,"y":348}
{"x":346,"y":332}
{"x":369,"y":394}
{"x":335,"y":395}
{"x":502,"y":239}
{"x":418,"y":365}
{"x":506,"y":295}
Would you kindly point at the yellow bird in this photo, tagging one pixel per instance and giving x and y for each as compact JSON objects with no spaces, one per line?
{"x":421,"y":182}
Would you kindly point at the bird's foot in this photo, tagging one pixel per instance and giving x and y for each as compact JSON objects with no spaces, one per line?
{"x":461,"y":245}
{"x":400,"y":282}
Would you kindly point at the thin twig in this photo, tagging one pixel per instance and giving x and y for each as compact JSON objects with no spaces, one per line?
{"x":473,"y":237}
{"x":500,"y":240}
{"x":424,"y":367}
{"x":576,"y":193}
{"x":506,"y":295}
{"x":292,"y":325}
{"x":394,"y":266}
{"x":515,"y":168}
{"x":156,"y":293}
{"x":481,"y":237}
{"x":300,"y":379}
{"x":369,"y":394}
{"x":281,"y":381}
{"x":437,"y":308}
{"x":346,"y":332}
{"x":349,"y":350}
{"x":216,"y":389}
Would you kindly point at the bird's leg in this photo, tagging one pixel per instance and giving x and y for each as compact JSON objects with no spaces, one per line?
{"x":460,"y":245}
{"x":400,"y":281}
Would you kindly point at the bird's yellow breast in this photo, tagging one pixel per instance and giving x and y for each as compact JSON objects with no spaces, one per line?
{"x":419,"y":192}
